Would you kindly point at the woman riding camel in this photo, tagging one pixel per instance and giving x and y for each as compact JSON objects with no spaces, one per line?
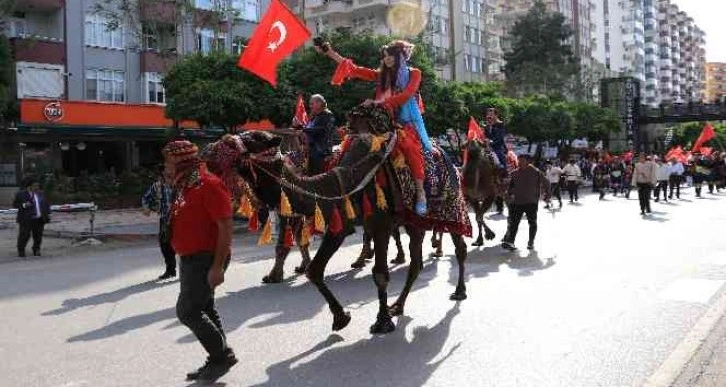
{"x":397,"y":91}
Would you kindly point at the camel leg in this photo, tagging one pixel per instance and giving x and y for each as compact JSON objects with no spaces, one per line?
{"x":304,"y":249}
{"x":365,"y":254}
{"x":384,"y":323}
{"x":276,"y":274}
{"x":401,"y":257}
{"x":439,"y":249}
{"x":488,"y":233}
{"x":316,"y":275}
{"x":479,"y":214}
{"x":415,"y":248}
{"x":460,"y":292}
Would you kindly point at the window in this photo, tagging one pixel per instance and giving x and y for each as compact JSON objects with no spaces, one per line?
{"x":467,"y":34}
{"x":105,"y":85}
{"x":247,"y":9}
{"x":155,"y":89}
{"x":206,"y":41}
{"x":444,"y":26}
{"x":467,"y":62}
{"x":204,"y":4}
{"x":237,"y":45}
{"x":99,"y":33}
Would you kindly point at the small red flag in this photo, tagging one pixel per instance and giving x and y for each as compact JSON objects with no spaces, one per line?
{"x":300,"y":113}
{"x":475,"y":132}
{"x":707,"y":134}
{"x":279,"y":33}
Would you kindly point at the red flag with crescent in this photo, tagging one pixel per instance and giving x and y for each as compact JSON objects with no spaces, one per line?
{"x":279,"y":33}
{"x":300,"y":114}
{"x":474,"y":132}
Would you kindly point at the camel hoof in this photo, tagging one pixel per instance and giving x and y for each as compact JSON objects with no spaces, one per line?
{"x":490,"y":235}
{"x":400,"y":260}
{"x":301,"y":269}
{"x":395,"y":310}
{"x":272,"y":279}
{"x":458,"y":296}
{"x":359,"y":264}
{"x":437,"y":254}
{"x":479,"y":242}
{"x":341,"y":321}
{"x":383,"y":325}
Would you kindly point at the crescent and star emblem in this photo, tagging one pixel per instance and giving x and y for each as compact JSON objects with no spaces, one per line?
{"x":278,"y":25}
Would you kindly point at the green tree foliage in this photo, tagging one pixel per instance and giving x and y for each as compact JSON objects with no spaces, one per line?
{"x":686,"y":134}
{"x":212,"y":91}
{"x":541,"y":59}
{"x":6,"y":82}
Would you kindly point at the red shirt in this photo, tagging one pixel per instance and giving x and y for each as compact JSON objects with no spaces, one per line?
{"x":195,"y":213}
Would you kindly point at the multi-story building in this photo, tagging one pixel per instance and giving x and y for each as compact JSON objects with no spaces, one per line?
{"x":464,"y":30}
{"x":715,"y":89}
{"x":90,"y":95}
{"x":620,"y":36}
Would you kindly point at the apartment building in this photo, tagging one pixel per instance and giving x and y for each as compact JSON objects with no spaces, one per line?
{"x":91,"y":96}
{"x":464,"y":29}
{"x":715,"y":89}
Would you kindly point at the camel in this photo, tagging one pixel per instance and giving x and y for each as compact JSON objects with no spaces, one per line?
{"x":357,"y":174}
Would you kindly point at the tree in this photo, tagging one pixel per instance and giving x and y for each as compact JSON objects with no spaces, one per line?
{"x":686,"y":134}
{"x":310,"y":73}
{"x":541,"y":59}
{"x":212,"y":91}
{"x":6,"y":82}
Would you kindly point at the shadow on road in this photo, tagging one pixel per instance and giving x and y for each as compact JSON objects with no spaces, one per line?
{"x":532,"y":262}
{"x":276,"y":304}
{"x":396,"y":361}
{"x":72,"y":304}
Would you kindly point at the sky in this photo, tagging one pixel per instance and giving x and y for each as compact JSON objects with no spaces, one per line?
{"x":709,"y":15}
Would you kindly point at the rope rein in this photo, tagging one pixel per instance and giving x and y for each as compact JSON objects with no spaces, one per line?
{"x":285,"y":183}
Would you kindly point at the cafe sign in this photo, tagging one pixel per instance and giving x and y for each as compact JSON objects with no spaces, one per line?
{"x":53,"y":111}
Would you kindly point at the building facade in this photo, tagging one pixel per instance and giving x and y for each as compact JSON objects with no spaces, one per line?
{"x":715,"y":89}
{"x":90,"y":90}
{"x":464,"y":34}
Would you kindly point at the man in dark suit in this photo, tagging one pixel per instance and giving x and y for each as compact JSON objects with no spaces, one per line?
{"x":33,"y":214}
{"x":318,"y":131}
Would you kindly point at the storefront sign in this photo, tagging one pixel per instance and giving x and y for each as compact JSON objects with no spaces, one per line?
{"x":53,"y":111}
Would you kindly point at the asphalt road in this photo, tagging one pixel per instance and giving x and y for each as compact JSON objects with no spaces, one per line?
{"x":604,"y":300}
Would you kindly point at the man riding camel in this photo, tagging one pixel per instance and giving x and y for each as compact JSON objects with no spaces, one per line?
{"x":318,"y":132}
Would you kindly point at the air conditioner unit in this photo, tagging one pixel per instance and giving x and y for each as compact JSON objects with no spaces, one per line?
{"x":17,"y":28}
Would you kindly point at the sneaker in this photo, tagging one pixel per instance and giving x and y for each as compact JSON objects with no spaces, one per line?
{"x":217,"y":369}
{"x":167,"y":275}
{"x":231,"y":360}
{"x":36,"y":253}
{"x":509,"y":246}
{"x":530,"y":246}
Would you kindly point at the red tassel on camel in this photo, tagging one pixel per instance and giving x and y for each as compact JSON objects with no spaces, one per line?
{"x":336,"y":222}
{"x":254,"y":222}
{"x":367,"y":207}
{"x":289,"y":237}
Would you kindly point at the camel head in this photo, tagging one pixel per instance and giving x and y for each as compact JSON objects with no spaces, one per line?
{"x":371,"y":119}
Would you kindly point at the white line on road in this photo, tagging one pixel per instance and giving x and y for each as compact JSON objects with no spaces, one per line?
{"x":673,"y":366}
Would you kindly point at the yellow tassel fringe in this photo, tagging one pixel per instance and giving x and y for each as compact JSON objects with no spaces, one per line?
{"x":376,"y":143}
{"x":305,"y":234}
{"x":285,"y":207}
{"x":266,"y":237}
{"x":381,"y":198}
{"x":245,"y":208}
{"x":319,"y":220}
{"x":399,"y":162}
{"x":349,"y":210}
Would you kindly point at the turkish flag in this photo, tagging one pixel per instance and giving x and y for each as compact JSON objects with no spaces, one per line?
{"x":279,"y":33}
{"x":707,"y":134}
{"x":300,"y":113}
{"x":474,"y":132}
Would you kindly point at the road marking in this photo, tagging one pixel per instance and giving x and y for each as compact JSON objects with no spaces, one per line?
{"x":673,"y":366}
{"x":692,"y":290}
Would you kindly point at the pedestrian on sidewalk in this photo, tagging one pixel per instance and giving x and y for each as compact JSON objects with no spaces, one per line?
{"x":158,"y":198}
{"x":644,"y":177}
{"x":554,"y":176}
{"x":675,"y":178}
{"x":526,"y":187}
{"x":573,"y":174}
{"x":201,"y":233}
{"x":663,"y":173}
{"x":601,"y":177}
{"x":33,"y":215}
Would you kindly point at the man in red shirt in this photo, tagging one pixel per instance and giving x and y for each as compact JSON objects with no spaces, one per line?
{"x":201,"y":233}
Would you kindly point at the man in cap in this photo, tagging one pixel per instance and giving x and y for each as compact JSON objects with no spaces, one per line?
{"x":201,"y":233}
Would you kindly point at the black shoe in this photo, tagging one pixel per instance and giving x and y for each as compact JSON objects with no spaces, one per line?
{"x":167,"y":275}
{"x":21,"y":254}
{"x":36,"y":253}
{"x":217,"y":369}
{"x":530,"y":246}
{"x":230,"y":360}
{"x":509,"y":246}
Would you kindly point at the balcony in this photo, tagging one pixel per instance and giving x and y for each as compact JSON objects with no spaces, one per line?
{"x":26,"y":49}
{"x":332,"y":7}
{"x":38,"y":5}
{"x":155,"y":62}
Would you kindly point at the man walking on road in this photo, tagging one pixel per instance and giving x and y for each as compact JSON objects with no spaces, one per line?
{"x":554,"y":176}
{"x":675,"y":170}
{"x":662,"y":173}
{"x":158,"y":198}
{"x":201,"y":233}
{"x":573,"y":174}
{"x":525,"y":189}
{"x":33,"y":214}
{"x":644,"y":177}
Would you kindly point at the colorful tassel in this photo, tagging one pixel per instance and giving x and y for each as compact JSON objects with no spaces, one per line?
{"x":399,"y":162}
{"x":289,"y":238}
{"x":349,"y":210}
{"x":381,"y":198}
{"x":254,"y":222}
{"x":245,"y":208}
{"x":336,"y":222}
{"x":319,"y":220}
{"x":266,"y":237}
{"x":367,"y":207}
{"x":305,"y":234}
{"x":376,"y":143}
{"x":285,"y":207}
